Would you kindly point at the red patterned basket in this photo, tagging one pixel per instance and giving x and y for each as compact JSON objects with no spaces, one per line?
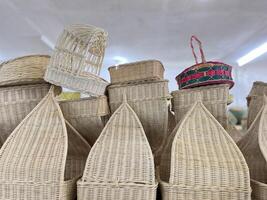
{"x":204,"y":73}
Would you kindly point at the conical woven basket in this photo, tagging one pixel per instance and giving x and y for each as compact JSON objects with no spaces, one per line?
{"x":87,"y":115}
{"x":253,"y":146}
{"x":146,"y":70}
{"x":43,"y":157}
{"x":214,"y":97}
{"x":120,"y":165}
{"x":201,"y":161}
{"x":255,"y":100}
{"x":16,"y":102}
{"x":150,"y":103}
{"x":23,"y":70}
{"x":77,"y":59}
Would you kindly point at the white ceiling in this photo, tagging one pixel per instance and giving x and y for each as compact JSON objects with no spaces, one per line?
{"x":150,"y":29}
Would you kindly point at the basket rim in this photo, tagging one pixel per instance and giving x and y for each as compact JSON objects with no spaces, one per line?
{"x":111,"y":86}
{"x":135,"y":63}
{"x":80,"y":182}
{"x":23,"y":57}
{"x":92,"y":98}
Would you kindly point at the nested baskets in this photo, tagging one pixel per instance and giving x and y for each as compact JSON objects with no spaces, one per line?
{"x":16,"y":102}
{"x":214,"y":97}
{"x":253,"y":146}
{"x":43,"y":157}
{"x":23,"y":70}
{"x":204,"y":73}
{"x":146,"y":70}
{"x":255,"y":100}
{"x":87,"y":115}
{"x":120,"y":165}
{"x":78,"y":58}
{"x":201,"y":161}
{"x":150,"y":102}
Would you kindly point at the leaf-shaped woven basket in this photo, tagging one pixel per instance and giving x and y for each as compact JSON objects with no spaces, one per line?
{"x":201,"y":161}
{"x":253,"y":146}
{"x":120,"y":165}
{"x":43,"y":157}
{"x":214,"y":97}
{"x":255,"y":100}
{"x":23,"y":70}
{"x":77,"y":59}
{"x":16,"y":102}
{"x":146,"y":70}
{"x":87,"y":115}
{"x":150,"y":103}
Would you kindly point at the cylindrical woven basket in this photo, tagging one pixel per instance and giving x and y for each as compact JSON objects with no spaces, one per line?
{"x":24,"y":70}
{"x":253,"y":146}
{"x":87,"y":115}
{"x":201,"y":161}
{"x":77,"y":59}
{"x":150,"y":103}
{"x":16,"y":102}
{"x":214,"y":97}
{"x":146,"y":70}
{"x":43,"y":157}
{"x":120,"y":165}
{"x":255,"y":100}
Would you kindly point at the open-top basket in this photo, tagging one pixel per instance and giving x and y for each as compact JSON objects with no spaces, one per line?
{"x":204,"y":73}
{"x":255,"y":100}
{"x":77,"y":59}
{"x":87,"y":115}
{"x":149,"y":100}
{"x":146,"y":70}
{"x":254,"y":148}
{"x":43,"y":157}
{"x":120,"y":165}
{"x":16,"y":102}
{"x":23,"y":70}
{"x":214,"y":97}
{"x":201,"y":161}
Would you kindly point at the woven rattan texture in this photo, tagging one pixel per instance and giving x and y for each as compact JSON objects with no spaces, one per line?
{"x":120,"y":164}
{"x":87,"y":115}
{"x":201,"y":161}
{"x":138,"y":71}
{"x":16,"y":102}
{"x":40,"y":159}
{"x":150,"y":103}
{"x":23,"y":70}
{"x":214,"y":97}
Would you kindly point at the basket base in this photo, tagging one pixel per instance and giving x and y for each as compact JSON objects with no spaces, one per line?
{"x":100,"y":191}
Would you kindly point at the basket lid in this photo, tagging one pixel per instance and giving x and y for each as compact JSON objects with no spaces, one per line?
{"x":122,"y":153}
{"x":204,"y":73}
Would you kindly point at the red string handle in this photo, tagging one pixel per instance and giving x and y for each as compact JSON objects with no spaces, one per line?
{"x":200,"y":49}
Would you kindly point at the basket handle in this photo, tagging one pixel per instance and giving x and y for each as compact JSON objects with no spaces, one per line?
{"x":193,"y":37}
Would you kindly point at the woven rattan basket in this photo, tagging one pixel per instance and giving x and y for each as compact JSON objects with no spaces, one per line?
{"x":77,"y":59}
{"x":253,"y":146}
{"x":235,"y":134}
{"x":150,"y":103}
{"x":43,"y":157}
{"x":201,"y":161}
{"x":120,"y":165}
{"x":16,"y":102}
{"x":138,"y":71}
{"x":255,"y":100}
{"x":214,"y":97}
{"x":87,"y":115}
{"x":23,"y":70}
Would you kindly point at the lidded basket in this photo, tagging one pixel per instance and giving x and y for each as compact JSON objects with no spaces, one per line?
{"x":24,"y":70}
{"x":201,"y":161}
{"x":120,"y":165}
{"x":43,"y":157}
{"x":77,"y":59}
{"x":204,"y":73}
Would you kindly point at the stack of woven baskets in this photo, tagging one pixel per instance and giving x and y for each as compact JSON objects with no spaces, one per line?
{"x":147,"y":93}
